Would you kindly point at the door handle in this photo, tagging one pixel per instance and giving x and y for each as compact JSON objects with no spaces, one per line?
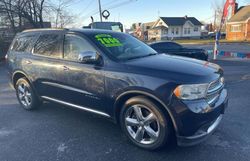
{"x":28,"y":62}
{"x":65,"y":68}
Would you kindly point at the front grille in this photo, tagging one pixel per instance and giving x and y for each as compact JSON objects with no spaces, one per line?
{"x":214,"y":91}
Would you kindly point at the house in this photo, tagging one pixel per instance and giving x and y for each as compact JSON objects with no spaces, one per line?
{"x":140,"y":30}
{"x":175,"y":28}
{"x":238,"y":26}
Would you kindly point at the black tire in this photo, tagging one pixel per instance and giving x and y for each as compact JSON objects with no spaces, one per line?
{"x":164,"y":123}
{"x":28,"y":92}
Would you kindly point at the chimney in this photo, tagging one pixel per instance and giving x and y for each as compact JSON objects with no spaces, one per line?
{"x":185,"y":16}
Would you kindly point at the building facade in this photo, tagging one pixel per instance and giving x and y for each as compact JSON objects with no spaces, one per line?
{"x":175,"y":28}
{"x":238,"y":27}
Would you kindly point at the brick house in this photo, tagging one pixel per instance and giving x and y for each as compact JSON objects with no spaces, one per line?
{"x":238,"y":26}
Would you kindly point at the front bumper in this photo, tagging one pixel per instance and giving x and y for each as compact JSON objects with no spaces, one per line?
{"x":200,"y":135}
{"x":193,"y":128}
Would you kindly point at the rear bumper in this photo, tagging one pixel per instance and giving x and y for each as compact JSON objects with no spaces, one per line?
{"x":200,"y":135}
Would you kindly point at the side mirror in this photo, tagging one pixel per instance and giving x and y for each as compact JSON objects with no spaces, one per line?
{"x":88,"y":57}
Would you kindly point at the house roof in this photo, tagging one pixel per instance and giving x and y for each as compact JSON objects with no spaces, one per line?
{"x":149,"y":23}
{"x":180,"y":21}
{"x":242,"y":15}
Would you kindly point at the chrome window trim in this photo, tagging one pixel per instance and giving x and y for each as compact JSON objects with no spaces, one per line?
{"x":75,"y":106}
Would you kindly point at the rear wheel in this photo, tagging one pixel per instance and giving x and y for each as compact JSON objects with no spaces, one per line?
{"x":144,"y":123}
{"x":26,"y":95}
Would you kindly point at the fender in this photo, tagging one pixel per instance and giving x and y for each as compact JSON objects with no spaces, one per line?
{"x":26,"y":76}
{"x":150,"y":96}
{"x":22,"y":72}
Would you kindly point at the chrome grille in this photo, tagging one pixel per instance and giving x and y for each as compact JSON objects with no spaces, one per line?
{"x":214,"y":91}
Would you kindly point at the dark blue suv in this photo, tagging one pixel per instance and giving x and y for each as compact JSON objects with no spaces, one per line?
{"x":154,"y":97}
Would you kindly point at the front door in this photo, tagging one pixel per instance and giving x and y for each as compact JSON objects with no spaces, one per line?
{"x":83,"y":83}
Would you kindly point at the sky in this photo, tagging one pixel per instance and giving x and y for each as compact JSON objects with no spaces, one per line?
{"x":132,"y":11}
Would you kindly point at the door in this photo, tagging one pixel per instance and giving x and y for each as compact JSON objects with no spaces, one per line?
{"x":83,"y":83}
{"x":44,"y":65}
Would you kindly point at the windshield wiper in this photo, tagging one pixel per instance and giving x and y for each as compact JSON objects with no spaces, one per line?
{"x":142,"y":56}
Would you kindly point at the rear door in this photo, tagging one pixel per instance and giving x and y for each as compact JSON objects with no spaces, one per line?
{"x":44,"y":66}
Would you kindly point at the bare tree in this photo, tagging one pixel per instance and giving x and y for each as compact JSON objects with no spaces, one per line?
{"x":19,"y":12}
{"x":217,"y":7}
{"x":59,"y":14}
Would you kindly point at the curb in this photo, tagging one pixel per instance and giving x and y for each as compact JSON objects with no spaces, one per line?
{"x":227,"y":54}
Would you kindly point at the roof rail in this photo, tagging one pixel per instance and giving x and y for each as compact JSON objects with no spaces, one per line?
{"x":45,"y":29}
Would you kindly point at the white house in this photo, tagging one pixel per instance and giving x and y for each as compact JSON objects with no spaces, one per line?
{"x":175,"y":27}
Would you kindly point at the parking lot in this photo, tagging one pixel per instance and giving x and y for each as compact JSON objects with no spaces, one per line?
{"x":54,"y":132}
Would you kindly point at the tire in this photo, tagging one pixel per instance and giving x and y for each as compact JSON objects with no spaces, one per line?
{"x":139,"y":128}
{"x":26,"y":95}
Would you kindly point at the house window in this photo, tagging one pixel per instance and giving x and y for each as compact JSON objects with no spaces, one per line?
{"x":187,"y":31}
{"x":172,"y":31}
{"x":166,"y":31}
{"x":177,"y":31}
{"x":236,"y":28}
{"x":196,"y":29}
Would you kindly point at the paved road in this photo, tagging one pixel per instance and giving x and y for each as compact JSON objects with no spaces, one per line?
{"x":54,"y":132}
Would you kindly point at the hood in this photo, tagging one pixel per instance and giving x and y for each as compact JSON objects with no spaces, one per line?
{"x":179,"y":69}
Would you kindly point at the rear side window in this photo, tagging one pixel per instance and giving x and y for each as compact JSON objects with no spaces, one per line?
{"x":49,"y":45}
{"x":23,"y":43}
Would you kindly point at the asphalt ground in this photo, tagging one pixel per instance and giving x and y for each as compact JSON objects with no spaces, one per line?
{"x":54,"y":132}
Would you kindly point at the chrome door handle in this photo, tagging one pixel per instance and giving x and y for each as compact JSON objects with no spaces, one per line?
{"x":65,"y":68}
{"x":28,"y":62}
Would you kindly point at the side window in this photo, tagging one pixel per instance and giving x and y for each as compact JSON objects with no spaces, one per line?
{"x":74,"y":45}
{"x":23,"y":43}
{"x":49,"y":45}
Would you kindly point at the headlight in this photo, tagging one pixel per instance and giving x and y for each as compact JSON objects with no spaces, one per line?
{"x":191,"y":92}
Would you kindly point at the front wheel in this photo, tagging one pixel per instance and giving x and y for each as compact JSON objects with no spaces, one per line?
{"x":145,"y":124}
{"x":26,"y":95}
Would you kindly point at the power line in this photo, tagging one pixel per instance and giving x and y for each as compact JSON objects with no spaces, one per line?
{"x":87,"y":6}
{"x":94,"y":12}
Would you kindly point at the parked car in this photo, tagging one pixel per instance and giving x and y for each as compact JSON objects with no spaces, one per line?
{"x":152,"y":96}
{"x":173,"y":48}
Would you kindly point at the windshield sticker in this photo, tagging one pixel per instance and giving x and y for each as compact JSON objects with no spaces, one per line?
{"x":108,"y":40}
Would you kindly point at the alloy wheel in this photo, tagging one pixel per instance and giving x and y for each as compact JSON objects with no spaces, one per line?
{"x":142,"y":124}
{"x":24,"y":94}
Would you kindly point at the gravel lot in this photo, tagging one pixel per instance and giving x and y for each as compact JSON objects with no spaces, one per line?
{"x":60,"y":133}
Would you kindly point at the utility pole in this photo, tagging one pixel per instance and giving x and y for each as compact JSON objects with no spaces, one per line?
{"x":100,"y":10}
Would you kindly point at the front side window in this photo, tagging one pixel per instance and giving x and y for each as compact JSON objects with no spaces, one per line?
{"x":23,"y":43}
{"x":49,"y":45}
{"x":74,"y":45}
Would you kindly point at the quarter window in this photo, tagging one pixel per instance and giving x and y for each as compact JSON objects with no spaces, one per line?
{"x":74,"y":45}
{"x":49,"y":45}
{"x":23,"y":44}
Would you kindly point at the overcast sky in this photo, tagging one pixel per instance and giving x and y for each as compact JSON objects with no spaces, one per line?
{"x":131,"y":11}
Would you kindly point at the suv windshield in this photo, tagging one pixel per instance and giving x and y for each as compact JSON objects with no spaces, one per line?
{"x":122,"y":46}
